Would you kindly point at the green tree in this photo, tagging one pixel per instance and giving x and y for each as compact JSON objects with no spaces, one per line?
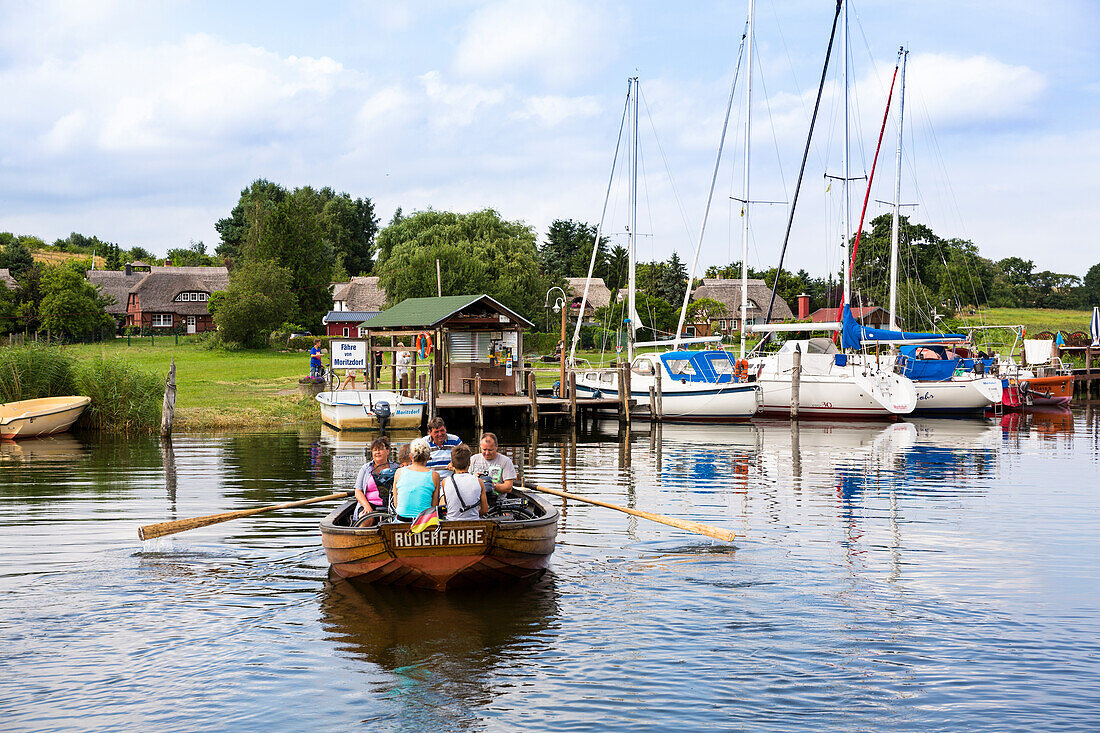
{"x":193,"y":256}
{"x":658,"y":316}
{"x":617,"y":262}
{"x":706,"y":309}
{"x":140,"y":254}
{"x":672,"y":280}
{"x":291,"y":238}
{"x":350,"y":226}
{"x":260,"y":197}
{"x":1091,"y":287}
{"x":16,"y":255}
{"x":9,"y":309}
{"x":70,"y":304}
{"x":567,"y":251}
{"x":478,"y":253}
{"x":258,"y":300}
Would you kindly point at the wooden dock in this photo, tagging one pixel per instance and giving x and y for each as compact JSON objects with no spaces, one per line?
{"x":533,"y":407}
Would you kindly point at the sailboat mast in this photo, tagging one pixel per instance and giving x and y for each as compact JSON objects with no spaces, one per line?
{"x":847,"y":175}
{"x":632,"y":255}
{"x":897,"y":203}
{"x":745,"y":214}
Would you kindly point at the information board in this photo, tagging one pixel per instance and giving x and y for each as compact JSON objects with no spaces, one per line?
{"x":348,"y":354}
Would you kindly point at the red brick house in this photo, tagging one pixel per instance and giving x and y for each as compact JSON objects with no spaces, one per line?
{"x":872,"y":316}
{"x":175,"y":297}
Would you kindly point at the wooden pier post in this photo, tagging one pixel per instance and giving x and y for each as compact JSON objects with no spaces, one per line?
{"x":432,"y":388}
{"x":478,"y":416}
{"x":796,"y":381}
{"x":652,"y":403}
{"x":532,"y":390}
{"x":660,"y":398}
{"x":168,"y":410}
{"x":573,"y":397}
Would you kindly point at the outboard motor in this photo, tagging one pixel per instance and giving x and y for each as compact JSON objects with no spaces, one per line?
{"x":381,"y":410}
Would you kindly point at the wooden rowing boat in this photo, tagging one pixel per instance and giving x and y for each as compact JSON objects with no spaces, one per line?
{"x":515,"y":544}
{"x":45,"y":416}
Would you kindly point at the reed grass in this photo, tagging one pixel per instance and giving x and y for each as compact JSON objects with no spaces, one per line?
{"x":34,"y":371}
{"x":125,"y":398}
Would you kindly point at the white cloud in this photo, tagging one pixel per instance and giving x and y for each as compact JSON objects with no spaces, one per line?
{"x":454,"y":105}
{"x":557,"y":41}
{"x":123,"y":98}
{"x":959,"y":91}
{"x":552,"y":110}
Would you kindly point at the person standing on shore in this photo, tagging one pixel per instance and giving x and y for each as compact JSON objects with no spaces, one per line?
{"x":403,"y":359}
{"x":316,"y":368}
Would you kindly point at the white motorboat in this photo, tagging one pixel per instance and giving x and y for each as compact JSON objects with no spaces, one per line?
{"x":370,"y":410}
{"x":44,"y":416}
{"x":696,"y":386}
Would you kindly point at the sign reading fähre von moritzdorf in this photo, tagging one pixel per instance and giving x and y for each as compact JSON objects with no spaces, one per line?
{"x":349,"y":354}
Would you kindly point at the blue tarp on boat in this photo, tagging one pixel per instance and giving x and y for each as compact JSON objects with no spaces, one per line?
{"x":926,"y":370}
{"x":853,"y":335}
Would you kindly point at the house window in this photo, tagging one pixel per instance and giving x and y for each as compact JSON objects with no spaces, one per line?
{"x":162,"y":320}
{"x":362,"y":332}
{"x":190,"y":297}
{"x":202,"y":296}
{"x":347,"y":331}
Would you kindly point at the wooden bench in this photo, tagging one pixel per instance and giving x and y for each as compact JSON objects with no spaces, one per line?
{"x":489,"y":385}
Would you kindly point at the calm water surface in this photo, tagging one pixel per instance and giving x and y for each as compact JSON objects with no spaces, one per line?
{"x":927,"y":575}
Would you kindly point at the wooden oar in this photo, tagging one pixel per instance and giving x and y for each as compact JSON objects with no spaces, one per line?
{"x":150,"y":531}
{"x":686,"y":524}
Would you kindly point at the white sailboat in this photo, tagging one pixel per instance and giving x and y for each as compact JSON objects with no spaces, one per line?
{"x":831,"y":384}
{"x":690,"y":385}
{"x":950,"y":390}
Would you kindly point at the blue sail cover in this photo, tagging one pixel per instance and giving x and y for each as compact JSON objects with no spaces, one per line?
{"x":853,"y":335}
{"x":927,"y":370}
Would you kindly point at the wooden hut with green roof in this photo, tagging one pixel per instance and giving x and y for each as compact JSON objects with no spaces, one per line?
{"x":472,"y":336}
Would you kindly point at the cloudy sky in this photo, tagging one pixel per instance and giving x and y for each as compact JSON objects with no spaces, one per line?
{"x":141,"y":122}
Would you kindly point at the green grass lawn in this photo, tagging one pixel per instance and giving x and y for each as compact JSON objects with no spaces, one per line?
{"x":219,"y":388}
{"x":1035,"y":320}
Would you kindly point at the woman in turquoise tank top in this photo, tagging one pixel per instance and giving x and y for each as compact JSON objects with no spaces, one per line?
{"x":415,"y":487}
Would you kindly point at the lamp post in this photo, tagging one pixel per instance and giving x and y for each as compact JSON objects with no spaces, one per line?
{"x":560,"y":304}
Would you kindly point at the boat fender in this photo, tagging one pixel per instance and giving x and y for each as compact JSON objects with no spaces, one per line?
{"x":424,"y":344}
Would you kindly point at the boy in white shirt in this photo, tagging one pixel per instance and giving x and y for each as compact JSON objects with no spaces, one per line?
{"x":463,"y":493}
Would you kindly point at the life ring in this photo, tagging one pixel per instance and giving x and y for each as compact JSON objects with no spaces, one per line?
{"x":423,"y":344}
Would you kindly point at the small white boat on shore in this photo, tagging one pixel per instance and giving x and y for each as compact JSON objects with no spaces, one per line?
{"x":349,"y":409}
{"x":44,"y":416}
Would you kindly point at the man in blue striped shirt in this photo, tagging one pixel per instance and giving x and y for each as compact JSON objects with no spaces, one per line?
{"x":441,"y":442}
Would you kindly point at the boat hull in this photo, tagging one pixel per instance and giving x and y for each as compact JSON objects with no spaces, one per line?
{"x":827,"y":390}
{"x":456,"y":554}
{"x":687,"y":402}
{"x":351,"y":410}
{"x":1055,"y":390}
{"x":35,"y":418}
{"x":958,"y":396}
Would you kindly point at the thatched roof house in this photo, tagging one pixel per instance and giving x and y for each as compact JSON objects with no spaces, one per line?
{"x":359,"y":294}
{"x":352,"y":303}
{"x":598,"y":293}
{"x":7,"y":279}
{"x":728,"y":293}
{"x":167,"y":297}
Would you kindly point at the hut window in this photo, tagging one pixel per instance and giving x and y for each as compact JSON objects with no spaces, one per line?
{"x":162,"y":320}
{"x":347,"y":332}
{"x":464,"y":346}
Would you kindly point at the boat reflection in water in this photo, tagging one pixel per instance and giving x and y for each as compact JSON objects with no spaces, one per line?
{"x":441,"y":651}
{"x":1048,"y":420}
{"x":48,"y":448}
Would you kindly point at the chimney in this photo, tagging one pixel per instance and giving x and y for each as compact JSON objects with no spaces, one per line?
{"x":129,"y":270}
{"x":803,"y":306}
